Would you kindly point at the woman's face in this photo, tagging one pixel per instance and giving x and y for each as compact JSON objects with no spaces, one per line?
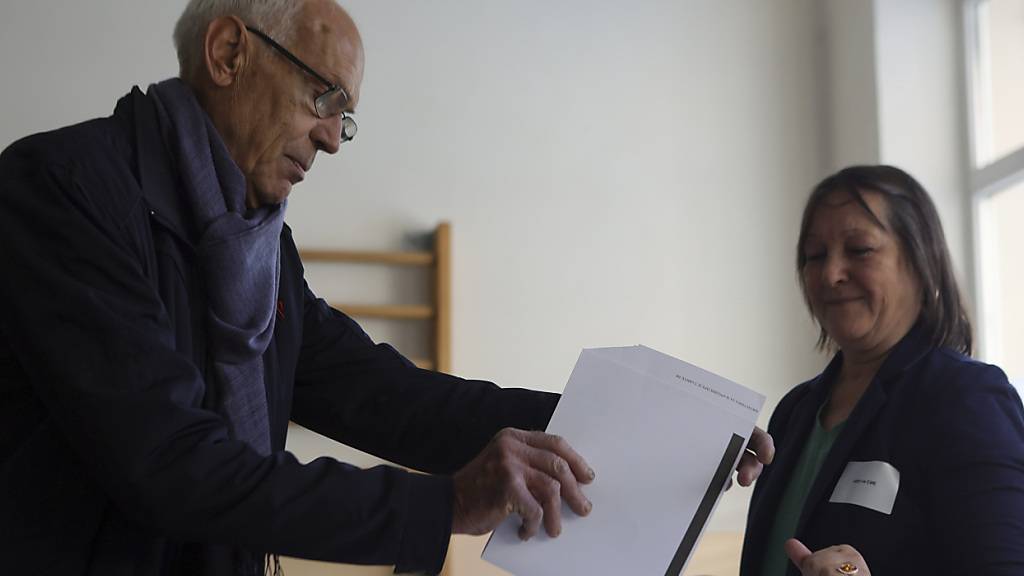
{"x":861,"y":287}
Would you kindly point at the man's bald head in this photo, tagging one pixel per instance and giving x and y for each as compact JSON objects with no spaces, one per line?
{"x":328,"y":30}
{"x":260,"y":87}
{"x":278,"y":18}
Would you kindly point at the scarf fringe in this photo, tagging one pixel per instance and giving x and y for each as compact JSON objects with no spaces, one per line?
{"x":272,"y":566}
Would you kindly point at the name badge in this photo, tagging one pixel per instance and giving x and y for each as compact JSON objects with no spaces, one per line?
{"x":869,"y":484}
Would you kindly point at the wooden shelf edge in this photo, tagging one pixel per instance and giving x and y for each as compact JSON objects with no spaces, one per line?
{"x":389,"y":312}
{"x":397,"y":258}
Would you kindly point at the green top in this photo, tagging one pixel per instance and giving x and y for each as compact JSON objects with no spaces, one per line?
{"x":788,"y":514}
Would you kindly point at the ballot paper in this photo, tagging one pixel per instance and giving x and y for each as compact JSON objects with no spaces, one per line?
{"x":664,"y":437}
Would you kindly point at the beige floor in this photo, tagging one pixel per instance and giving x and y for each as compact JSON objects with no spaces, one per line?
{"x":717,"y":555}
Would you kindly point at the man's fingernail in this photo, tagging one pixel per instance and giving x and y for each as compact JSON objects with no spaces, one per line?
{"x":591,"y":474}
{"x":587,"y":506}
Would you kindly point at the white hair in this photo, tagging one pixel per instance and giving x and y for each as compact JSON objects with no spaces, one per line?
{"x":274,"y":17}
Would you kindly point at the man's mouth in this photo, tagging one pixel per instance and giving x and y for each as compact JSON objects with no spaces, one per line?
{"x":299,"y":167}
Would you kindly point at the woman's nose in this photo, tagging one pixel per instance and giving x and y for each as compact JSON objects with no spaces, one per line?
{"x":835,"y":271}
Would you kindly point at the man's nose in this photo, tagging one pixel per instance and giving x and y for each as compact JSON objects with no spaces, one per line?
{"x":326,"y":134}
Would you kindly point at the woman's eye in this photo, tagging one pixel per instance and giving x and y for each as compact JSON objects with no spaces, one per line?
{"x":814,"y":256}
{"x":861,"y":250}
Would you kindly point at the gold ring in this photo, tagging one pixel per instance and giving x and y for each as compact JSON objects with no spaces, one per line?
{"x":847,"y":568}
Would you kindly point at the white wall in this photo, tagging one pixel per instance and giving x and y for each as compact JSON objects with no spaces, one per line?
{"x":65,"y":61}
{"x":921,"y":92}
{"x":615,"y":173}
{"x":592,"y":158}
{"x":895,"y":95}
{"x":850,"y":92}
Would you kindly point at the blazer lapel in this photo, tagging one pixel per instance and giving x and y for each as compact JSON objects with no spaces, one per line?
{"x":872,"y":401}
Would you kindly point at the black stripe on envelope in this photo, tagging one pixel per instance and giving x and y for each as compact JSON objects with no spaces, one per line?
{"x":704,"y":510}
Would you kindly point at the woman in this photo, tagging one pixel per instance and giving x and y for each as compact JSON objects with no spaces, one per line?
{"x":904,"y":456}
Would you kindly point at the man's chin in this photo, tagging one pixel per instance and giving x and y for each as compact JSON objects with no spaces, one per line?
{"x":270,"y":196}
{"x":282,"y":194}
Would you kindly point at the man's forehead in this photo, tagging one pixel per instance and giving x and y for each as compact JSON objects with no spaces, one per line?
{"x":329,"y":38}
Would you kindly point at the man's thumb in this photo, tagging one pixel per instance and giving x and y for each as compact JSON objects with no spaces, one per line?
{"x":796,"y":551}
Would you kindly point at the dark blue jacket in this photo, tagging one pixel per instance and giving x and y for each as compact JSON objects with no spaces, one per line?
{"x":111,"y":461}
{"x":953,"y":428}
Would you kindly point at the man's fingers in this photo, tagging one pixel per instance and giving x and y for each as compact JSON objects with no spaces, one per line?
{"x":528,"y":509}
{"x":558,"y":445}
{"x":554,"y":466}
{"x":545,"y":470}
{"x":796,"y":551}
{"x":547,"y":492}
{"x":762,"y":444}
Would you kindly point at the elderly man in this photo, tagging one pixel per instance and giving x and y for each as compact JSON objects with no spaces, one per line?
{"x":157,"y":336}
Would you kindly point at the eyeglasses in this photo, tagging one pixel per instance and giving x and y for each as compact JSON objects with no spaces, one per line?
{"x":330,"y":103}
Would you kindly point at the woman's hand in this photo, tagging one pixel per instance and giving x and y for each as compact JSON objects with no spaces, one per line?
{"x":759,"y":453}
{"x":831,"y":561}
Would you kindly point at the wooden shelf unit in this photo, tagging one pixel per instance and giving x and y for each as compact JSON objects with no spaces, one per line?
{"x":438,"y":312}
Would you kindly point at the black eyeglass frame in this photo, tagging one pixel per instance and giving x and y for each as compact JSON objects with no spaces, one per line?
{"x":322,"y":101}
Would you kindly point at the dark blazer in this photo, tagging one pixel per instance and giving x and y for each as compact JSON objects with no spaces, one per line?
{"x":953,"y":428}
{"x":111,"y":460}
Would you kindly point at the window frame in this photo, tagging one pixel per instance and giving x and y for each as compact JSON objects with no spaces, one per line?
{"x":986,"y":177}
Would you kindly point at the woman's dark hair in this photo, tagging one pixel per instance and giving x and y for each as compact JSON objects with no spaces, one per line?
{"x":914,"y":220}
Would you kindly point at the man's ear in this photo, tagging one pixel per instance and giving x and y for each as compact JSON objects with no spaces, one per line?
{"x":225,"y":49}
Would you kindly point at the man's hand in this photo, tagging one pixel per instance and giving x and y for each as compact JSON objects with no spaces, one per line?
{"x":528,"y":473}
{"x":826,"y":562}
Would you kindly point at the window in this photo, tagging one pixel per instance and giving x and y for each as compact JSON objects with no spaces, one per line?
{"x":995,"y":72}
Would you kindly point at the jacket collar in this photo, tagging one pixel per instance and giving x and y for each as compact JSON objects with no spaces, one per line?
{"x":795,"y":429}
{"x":157,"y":177}
{"x":910,"y":349}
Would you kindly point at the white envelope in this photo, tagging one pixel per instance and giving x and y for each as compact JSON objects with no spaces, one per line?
{"x":663,"y":437}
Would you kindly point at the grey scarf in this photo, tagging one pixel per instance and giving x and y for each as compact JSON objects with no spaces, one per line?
{"x":239,"y":252}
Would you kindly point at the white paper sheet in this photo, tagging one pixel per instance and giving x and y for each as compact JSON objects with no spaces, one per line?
{"x":663,"y":436}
